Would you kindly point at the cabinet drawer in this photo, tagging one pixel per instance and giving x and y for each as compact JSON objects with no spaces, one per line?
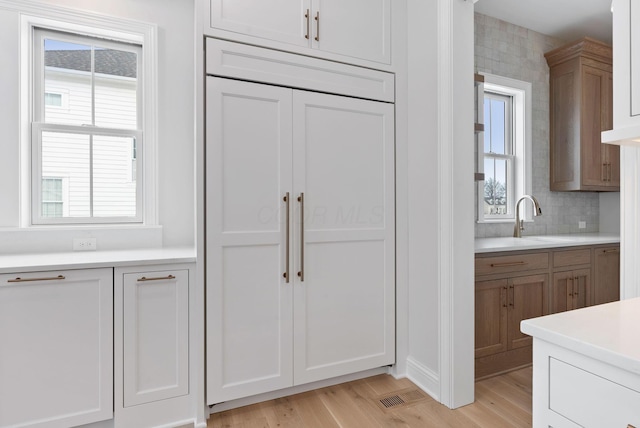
{"x":515,"y":263}
{"x":572,"y":257}
{"x":591,"y":400}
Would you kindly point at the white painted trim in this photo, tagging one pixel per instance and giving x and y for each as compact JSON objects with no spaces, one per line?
{"x":629,"y":218}
{"x":424,"y":378}
{"x":233,"y":404}
{"x":455,"y":201}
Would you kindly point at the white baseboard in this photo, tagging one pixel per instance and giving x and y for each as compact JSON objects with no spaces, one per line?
{"x":424,"y":378}
{"x":221,"y":407}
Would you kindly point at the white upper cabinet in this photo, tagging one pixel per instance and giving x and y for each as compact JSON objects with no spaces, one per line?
{"x":626,"y":74}
{"x":345,"y":30}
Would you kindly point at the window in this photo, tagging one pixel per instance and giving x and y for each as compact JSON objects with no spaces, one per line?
{"x":504,"y":153}
{"x":87,"y":127}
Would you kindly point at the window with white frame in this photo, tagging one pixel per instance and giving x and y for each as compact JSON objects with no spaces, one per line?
{"x":504,"y":154}
{"x":87,"y":110}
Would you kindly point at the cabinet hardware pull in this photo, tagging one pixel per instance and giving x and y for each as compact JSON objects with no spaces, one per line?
{"x":603,"y":172}
{"x":512,"y":298}
{"x":159,"y":278}
{"x":50,"y":278}
{"x":614,"y":250}
{"x":520,"y":263}
{"x":286,"y":273}
{"x":317,"y":18}
{"x":610,"y":173}
{"x":503,"y":296}
{"x":301,"y":271}
{"x":306,"y":15}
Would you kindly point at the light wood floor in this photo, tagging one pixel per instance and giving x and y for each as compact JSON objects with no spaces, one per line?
{"x":501,"y":401}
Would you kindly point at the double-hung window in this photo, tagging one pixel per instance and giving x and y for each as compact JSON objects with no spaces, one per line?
{"x":499,"y":156}
{"x":86,"y":128}
{"x":504,"y":149}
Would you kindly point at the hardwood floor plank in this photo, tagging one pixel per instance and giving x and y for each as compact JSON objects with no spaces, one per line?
{"x":501,"y":402}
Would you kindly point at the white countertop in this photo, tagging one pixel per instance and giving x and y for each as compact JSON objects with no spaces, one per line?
{"x":491,"y":245}
{"x":609,"y":332}
{"x":94,"y":259}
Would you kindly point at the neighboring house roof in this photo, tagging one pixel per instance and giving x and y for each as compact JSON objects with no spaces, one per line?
{"x":107,"y":61}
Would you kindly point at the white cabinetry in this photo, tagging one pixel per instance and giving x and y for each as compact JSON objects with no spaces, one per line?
{"x":626,"y":74}
{"x":300,"y":237}
{"x":351,"y":29}
{"x":56,"y":348}
{"x":152,"y":345}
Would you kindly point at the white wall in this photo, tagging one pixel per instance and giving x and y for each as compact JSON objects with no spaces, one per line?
{"x":176,"y":145}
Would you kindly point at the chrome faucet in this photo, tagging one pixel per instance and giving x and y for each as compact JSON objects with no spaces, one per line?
{"x":519,"y":226}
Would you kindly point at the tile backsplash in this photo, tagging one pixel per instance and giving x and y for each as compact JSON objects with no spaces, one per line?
{"x":507,"y":50}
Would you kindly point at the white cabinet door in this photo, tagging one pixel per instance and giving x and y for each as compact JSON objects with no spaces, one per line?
{"x":357,"y":29}
{"x":279,"y":20}
{"x":155,"y":335}
{"x":344,"y":164}
{"x":249,"y":313}
{"x":56,"y":348}
{"x":354,"y":28}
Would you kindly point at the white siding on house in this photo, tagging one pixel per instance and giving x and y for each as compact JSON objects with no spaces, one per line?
{"x":67,"y":155}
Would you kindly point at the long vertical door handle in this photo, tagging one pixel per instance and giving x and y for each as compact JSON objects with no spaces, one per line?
{"x":288,"y":231}
{"x":511,"y":296}
{"x":301,"y":271}
{"x":317,"y":18}
{"x":503,"y":296}
{"x":306,"y":16}
{"x":603,"y":173}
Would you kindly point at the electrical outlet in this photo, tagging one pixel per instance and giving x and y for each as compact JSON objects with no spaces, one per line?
{"x":582,"y":224}
{"x":84,"y":244}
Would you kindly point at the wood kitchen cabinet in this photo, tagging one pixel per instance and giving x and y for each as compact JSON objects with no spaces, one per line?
{"x":502,"y":301}
{"x":606,"y":274}
{"x":358,"y":29}
{"x":56,"y":348}
{"x":571,"y":290}
{"x":581,"y":107}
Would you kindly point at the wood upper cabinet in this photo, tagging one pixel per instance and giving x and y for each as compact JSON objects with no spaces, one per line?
{"x":359,"y":29}
{"x":606,"y":282}
{"x":581,"y":107}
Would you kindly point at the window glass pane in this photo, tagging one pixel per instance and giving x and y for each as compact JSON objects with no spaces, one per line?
{"x":68,"y":66}
{"x":487,"y":125}
{"x":114,"y":190}
{"x":495,"y":186}
{"x":51,"y":99}
{"x":497,"y":126}
{"x":52,"y":197}
{"x":116,"y":88}
{"x":67,"y":155}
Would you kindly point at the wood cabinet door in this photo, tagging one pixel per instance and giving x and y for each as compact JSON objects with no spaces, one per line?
{"x":612,"y":152}
{"x":562,"y":291}
{"x":606,"y":281}
{"x":527,"y":300}
{"x":344,"y":297}
{"x":56,"y":348}
{"x":155,"y":336}
{"x":594,"y":171}
{"x":581,"y":293}
{"x":355,"y":28}
{"x":249,"y":302}
{"x":279,"y":20}
{"x":490,"y":317}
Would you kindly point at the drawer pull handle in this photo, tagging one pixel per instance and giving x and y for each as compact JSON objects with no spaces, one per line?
{"x":520,"y":263}
{"x":51,"y":278}
{"x":615,"y":250}
{"x":159,"y":278}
